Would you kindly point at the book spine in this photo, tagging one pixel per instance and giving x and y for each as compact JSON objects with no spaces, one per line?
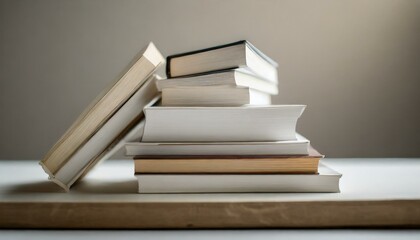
{"x":168,"y":67}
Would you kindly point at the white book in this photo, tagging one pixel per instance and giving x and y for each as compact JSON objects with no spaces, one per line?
{"x":95,"y":127}
{"x":214,"y":96}
{"x":291,"y":147}
{"x":240,"y":54}
{"x":234,"y":77}
{"x":326,"y":181}
{"x":110,"y":137}
{"x":221,"y":124}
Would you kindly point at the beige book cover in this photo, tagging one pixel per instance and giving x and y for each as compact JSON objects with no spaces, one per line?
{"x":106,"y":106}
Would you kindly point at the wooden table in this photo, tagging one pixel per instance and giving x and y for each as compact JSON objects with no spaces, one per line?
{"x":374,"y":193}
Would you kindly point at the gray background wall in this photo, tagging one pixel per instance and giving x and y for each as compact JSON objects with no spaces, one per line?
{"x":356,"y":64}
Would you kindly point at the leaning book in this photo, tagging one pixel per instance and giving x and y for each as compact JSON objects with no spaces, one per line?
{"x":108,"y":118}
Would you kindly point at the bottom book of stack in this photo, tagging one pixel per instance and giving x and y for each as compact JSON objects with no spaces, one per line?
{"x":233,"y":174}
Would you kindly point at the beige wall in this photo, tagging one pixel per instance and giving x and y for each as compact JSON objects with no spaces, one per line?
{"x":356,"y":64}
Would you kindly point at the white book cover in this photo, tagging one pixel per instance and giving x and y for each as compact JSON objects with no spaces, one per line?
{"x":106,"y":141}
{"x":290,"y":147}
{"x":221,"y":124}
{"x":240,"y":77}
{"x":326,"y":181}
{"x":213,"y":96}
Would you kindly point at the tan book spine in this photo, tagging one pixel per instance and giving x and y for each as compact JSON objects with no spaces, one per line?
{"x":223,"y":165}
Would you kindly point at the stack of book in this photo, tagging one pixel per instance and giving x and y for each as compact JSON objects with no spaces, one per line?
{"x":230,"y":75}
{"x":215,"y":130}
{"x":211,"y":129}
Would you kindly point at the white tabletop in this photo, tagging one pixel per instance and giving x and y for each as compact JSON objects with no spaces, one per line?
{"x":363,"y":179}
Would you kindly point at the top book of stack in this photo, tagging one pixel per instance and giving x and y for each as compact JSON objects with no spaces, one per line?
{"x":240,"y":54}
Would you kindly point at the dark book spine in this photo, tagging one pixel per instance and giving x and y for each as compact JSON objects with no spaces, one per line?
{"x":168,"y":67}
{"x":169,"y":58}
